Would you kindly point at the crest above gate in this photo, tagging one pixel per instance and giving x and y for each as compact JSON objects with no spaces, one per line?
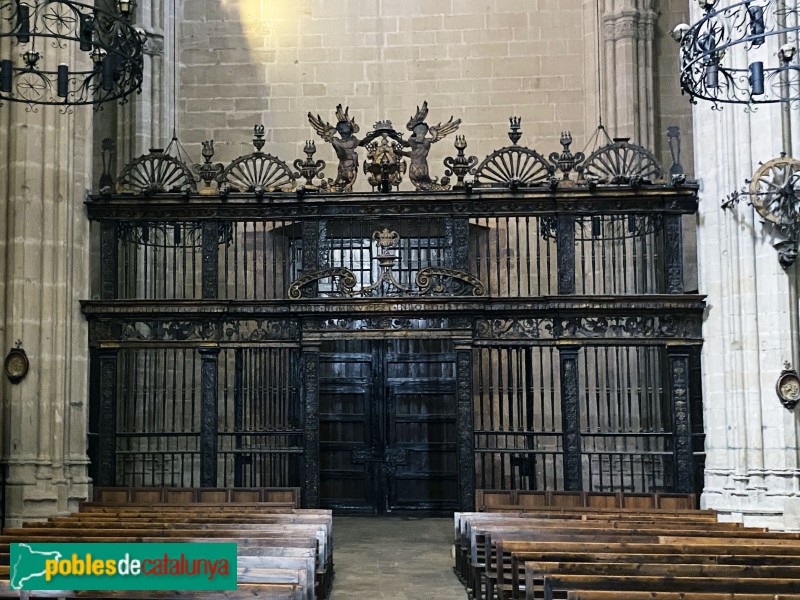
{"x":389,"y":157}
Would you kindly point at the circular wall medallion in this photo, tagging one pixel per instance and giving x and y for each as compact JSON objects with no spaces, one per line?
{"x":788,"y":388}
{"x":16,"y":365}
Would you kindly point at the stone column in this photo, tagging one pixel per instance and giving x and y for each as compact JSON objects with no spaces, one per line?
{"x":44,"y":175}
{"x":628,"y":32}
{"x":751,"y":471}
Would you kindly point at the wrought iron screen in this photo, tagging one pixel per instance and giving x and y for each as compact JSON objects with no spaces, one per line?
{"x":624,"y":419}
{"x":162,"y":260}
{"x":259,"y":423}
{"x":528,"y":328}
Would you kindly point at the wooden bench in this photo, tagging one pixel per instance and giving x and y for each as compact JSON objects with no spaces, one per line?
{"x":537,"y":571}
{"x":598,"y":595}
{"x":183,"y":496}
{"x":283,"y":552}
{"x":557,"y":586}
{"x":244,"y":591}
{"x":482,"y":536}
{"x":488,"y":499}
{"x":502,"y":550}
{"x":513,"y":588}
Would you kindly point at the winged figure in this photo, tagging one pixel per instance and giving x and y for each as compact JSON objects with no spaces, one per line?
{"x":345,"y":146}
{"x":419,"y":144}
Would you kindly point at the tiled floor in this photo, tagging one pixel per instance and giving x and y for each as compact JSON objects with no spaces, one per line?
{"x":394,"y":557}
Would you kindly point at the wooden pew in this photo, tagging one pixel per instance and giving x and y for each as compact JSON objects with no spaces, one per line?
{"x":245,"y":591}
{"x":184,"y":496}
{"x":540,"y":570}
{"x":485,"y":571}
{"x":489,"y":499}
{"x":513,"y":588}
{"x":557,"y":586}
{"x":598,"y":595}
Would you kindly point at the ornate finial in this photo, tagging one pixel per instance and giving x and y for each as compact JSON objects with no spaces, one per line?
{"x":107,"y":154}
{"x":515,"y":133}
{"x":384,"y":125}
{"x":207,"y":171}
{"x":674,"y":137}
{"x":460,"y":165}
{"x":309,"y":168}
{"x":566,"y":161}
{"x":18,"y":344}
{"x":386,"y":239}
{"x":31,"y":57}
{"x":258,"y":137}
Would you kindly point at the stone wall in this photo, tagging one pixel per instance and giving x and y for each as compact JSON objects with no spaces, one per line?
{"x":480,"y":60}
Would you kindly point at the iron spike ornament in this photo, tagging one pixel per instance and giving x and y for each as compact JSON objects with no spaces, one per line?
{"x":711,"y":50}
{"x":30,"y":30}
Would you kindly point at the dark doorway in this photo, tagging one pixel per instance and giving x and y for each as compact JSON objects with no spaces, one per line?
{"x":388,"y":425}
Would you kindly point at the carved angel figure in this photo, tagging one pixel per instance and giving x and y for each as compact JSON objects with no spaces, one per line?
{"x":345,"y":146}
{"x":419,"y":145}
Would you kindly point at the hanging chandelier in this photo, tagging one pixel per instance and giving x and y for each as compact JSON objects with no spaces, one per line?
{"x":32,"y":30}
{"x":741,"y":52}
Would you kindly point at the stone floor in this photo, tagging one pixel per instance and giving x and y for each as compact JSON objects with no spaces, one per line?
{"x":394,"y":557}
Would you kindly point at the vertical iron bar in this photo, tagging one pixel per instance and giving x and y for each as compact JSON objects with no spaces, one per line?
{"x":570,"y":417}
{"x":311,"y":425}
{"x":465,"y":427}
{"x":565,"y":254}
{"x":678,"y":361}
{"x":208,"y":416}
{"x":460,"y":251}
{"x":210,"y":260}
{"x":107,"y":423}
{"x":109,"y":261}
{"x":238,"y":414}
{"x":673,"y":254}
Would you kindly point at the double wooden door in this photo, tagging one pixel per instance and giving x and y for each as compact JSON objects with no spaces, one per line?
{"x":388,"y":425}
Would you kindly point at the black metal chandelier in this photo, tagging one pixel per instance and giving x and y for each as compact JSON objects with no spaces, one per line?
{"x":31,"y":28}
{"x":714,"y":68}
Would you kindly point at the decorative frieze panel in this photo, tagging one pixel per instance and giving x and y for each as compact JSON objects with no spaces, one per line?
{"x":557,"y":328}
{"x":199,"y":330}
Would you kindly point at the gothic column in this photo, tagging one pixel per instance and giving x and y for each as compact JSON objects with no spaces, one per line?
{"x":44,"y":168}
{"x":751,"y":471}
{"x":628,"y":32}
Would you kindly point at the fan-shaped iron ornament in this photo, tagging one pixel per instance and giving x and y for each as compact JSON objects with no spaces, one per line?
{"x":515,"y":167}
{"x":31,"y":30}
{"x":711,"y":48}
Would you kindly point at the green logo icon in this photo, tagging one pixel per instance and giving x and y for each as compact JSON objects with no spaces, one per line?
{"x":155,"y":566}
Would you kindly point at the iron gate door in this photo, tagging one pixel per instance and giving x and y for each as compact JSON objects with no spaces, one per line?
{"x":387,"y":425}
